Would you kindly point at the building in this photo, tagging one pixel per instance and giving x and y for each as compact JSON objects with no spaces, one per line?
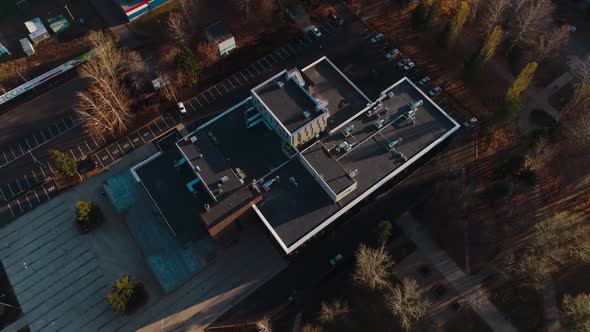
{"x":305,"y":148}
{"x":219,"y":34}
{"x":135,"y":8}
{"x":37,"y":31}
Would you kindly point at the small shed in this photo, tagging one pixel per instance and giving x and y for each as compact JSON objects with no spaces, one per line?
{"x":27,"y":46}
{"x":219,"y":34}
{"x":37,"y":30}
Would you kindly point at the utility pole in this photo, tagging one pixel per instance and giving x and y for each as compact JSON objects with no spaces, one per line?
{"x":69,"y":12}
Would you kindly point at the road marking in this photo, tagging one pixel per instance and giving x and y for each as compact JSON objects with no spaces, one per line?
{"x":294,"y":52}
{"x":42,"y":171}
{"x":229,"y":81}
{"x":65,"y":124}
{"x":257,"y":71}
{"x":26,"y":179}
{"x":73,"y":120}
{"x":29,"y":145}
{"x":156,"y":123}
{"x":260,"y":64}
{"x":42,"y":135}
{"x":211,"y":93}
{"x":191,"y":105}
{"x":279,"y":54}
{"x":308,"y":38}
{"x":220,"y":94}
{"x":249,"y":72}
{"x":35,"y":176}
{"x":10,"y":188}
{"x":223,"y":85}
{"x":21,"y":188}
{"x":79,"y":148}
{"x":151,"y":131}
{"x":51,"y":168}
{"x":4,"y":153}
{"x":72,"y":152}
{"x":38,"y":199}
{"x":244,"y":76}
{"x":10,"y":208}
{"x":36,"y":141}
{"x":14,"y":154}
{"x":269,"y":64}
{"x":27,"y":197}
{"x":21,"y":208}
{"x":98,"y":146}
{"x":273,"y":58}
{"x":166,"y":123}
{"x":197,"y":99}
{"x":3,"y":196}
{"x":207,"y":100}
{"x":100,"y":161}
{"x":120,"y":148}
{"x":45,"y":190}
{"x":87,"y":146}
{"x":21,"y":149}
{"x":50,"y":131}
{"x":283,"y":49}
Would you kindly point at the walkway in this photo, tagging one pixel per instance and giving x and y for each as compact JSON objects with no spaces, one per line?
{"x":464,"y":284}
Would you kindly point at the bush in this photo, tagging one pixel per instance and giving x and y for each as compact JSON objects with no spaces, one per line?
{"x":189,"y":65}
{"x":383,"y":232}
{"x":126,"y":294}
{"x":332,"y":311}
{"x":66,"y":166}
{"x":88,"y":215}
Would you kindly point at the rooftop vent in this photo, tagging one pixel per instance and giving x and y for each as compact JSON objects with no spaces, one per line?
{"x":393,"y":144}
{"x":306,"y":114}
{"x":354,"y":173}
{"x":379,"y":123}
{"x":390,"y":94}
{"x":224,"y":179}
{"x":343,"y":147}
{"x":193,"y":139}
{"x":347,"y":131}
{"x":280,"y":84}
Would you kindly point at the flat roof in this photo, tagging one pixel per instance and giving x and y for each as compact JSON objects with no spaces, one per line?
{"x":229,"y":204}
{"x":344,"y":98}
{"x":288,"y":101}
{"x":292,"y":224}
{"x":328,"y":168}
{"x":218,"y":32}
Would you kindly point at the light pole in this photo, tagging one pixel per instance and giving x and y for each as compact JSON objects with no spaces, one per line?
{"x":69,"y":12}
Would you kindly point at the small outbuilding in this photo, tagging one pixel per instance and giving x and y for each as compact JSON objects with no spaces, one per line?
{"x":37,"y":31}
{"x":219,"y":34}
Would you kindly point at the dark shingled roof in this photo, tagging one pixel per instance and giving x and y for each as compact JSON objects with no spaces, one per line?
{"x":218,"y":32}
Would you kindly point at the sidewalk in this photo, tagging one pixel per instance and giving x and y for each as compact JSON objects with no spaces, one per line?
{"x":464,"y":284}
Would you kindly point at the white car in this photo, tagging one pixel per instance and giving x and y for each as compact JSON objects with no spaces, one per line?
{"x":403,"y":62}
{"x":409,"y":66}
{"x":470,"y":123}
{"x":392,"y":53}
{"x":377,"y":38}
{"x":181,"y":107}
{"x":434,"y":91}
{"x":424,"y":80}
{"x":316,"y":31}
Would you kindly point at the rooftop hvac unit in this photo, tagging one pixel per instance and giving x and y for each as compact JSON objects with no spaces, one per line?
{"x":354,"y":173}
{"x":347,"y":131}
{"x":280,"y":84}
{"x":379,"y":123}
{"x":197,"y":168}
{"x":306,"y":114}
{"x":393,"y":144}
{"x":224,"y":179}
{"x":414,"y":106}
{"x":343,"y":147}
{"x":193,"y":139}
{"x":390,"y":95}
{"x":268,"y":184}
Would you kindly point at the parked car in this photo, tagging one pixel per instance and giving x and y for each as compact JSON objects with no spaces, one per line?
{"x":336,"y":18}
{"x":316,"y":31}
{"x":377,"y":38}
{"x":409,"y":65}
{"x":403,"y":62}
{"x":434,"y":91}
{"x":336,"y":260}
{"x":392,"y":53}
{"x":424,"y":80}
{"x":181,"y":107}
{"x":470,"y":123}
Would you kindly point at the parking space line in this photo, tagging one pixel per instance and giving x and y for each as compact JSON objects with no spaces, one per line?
{"x":100,"y":161}
{"x":292,"y":49}
{"x":156,"y":123}
{"x":26,"y":179}
{"x":20,"y":206}
{"x":27,"y":197}
{"x":245,"y":76}
{"x":42,"y":171}
{"x":4,"y":153}
{"x":88,"y":146}
{"x":18,"y":183}
{"x":279,"y":54}
{"x":2,"y":193}
{"x":273,"y":58}
{"x":163,"y":120}
{"x":71,"y":118}
{"x":51,"y":168}
{"x":283,"y":49}
{"x":51,"y":131}
{"x":220,"y":94}
{"x":46,"y":193}
{"x":120,"y":149}
{"x":66,"y":124}
{"x":229,"y":81}
{"x":129,"y":139}
{"x":269,"y":64}
{"x":94,"y":140}
{"x":57,"y":127}
{"x":27,"y":140}
{"x":38,"y":199}
{"x":197,"y":99}
{"x":79,"y":148}
{"x":10,"y":208}
{"x":35,"y":176}
{"x":72,"y":152}
{"x":11,"y":191}
{"x":260,"y":64}
{"x":258,"y":72}
{"x":308,"y":38}
{"x":191,"y":105}
{"x":211,"y":93}
{"x":36,"y":141}
{"x":207,"y":100}
{"x":14,"y":154}
{"x":42,"y":135}
{"x":21,"y":149}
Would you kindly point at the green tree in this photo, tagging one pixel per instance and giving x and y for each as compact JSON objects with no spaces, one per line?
{"x":122,"y":296}
{"x":457,"y":23}
{"x":576,"y":310}
{"x":87,"y":215}
{"x":66,"y":166}
{"x":189,"y":64}
{"x":383,"y":232}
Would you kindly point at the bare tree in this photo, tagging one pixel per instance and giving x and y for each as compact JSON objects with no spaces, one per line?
{"x":177,"y":28}
{"x":581,"y":97}
{"x":579,"y":127}
{"x":372,"y":267}
{"x":266,"y":9}
{"x":576,"y":310}
{"x":549,"y":43}
{"x":529,"y":21}
{"x":208,"y":52}
{"x":187,"y":9}
{"x":407,"y":302}
{"x":555,"y":243}
{"x":332,"y":311}
{"x":264,"y":324}
{"x":493,"y":15}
